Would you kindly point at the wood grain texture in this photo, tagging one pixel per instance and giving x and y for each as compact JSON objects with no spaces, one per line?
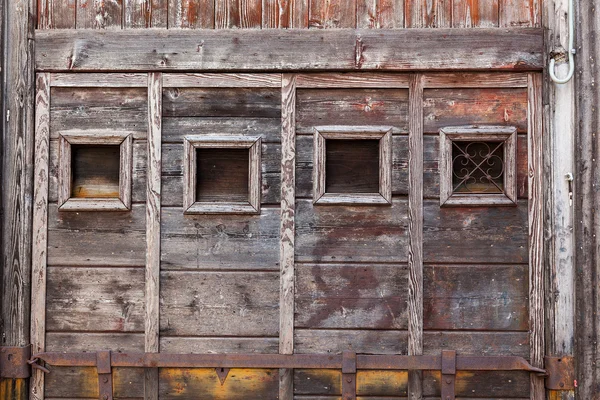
{"x":475,"y":13}
{"x":192,"y":13}
{"x":475,"y":80}
{"x":364,"y":341}
{"x":287,"y":230}
{"x":351,"y":80}
{"x":56,"y":14}
{"x":80,"y":383}
{"x":99,"y":14}
{"x":145,"y":13}
{"x":222,"y":80}
{"x":40,"y":228}
{"x":380,"y":14}
{"x":428,"y":14}
{"x":268,"y":129}
{"x":332,"y":14}
{"x":219,"y":344}
{"x":277,"y":14}
{"x":514,"y":13}
{"x":273,"y":49}
{"x":98,"y":80}
{"x":415,"y":232}
{"x":238,"y":14}
{"x":536,"y":234}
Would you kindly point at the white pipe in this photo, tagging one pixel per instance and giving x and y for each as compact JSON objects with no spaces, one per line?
{"x":570,"y":51}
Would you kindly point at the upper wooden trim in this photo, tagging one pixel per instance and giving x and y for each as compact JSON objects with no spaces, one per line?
{"x":289,"y":50}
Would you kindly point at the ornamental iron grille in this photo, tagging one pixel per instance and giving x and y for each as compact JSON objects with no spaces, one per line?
{"x":478,"y":165}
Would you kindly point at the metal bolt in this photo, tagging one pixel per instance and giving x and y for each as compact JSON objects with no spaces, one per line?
{"x":561,"y":384}
{"x":349,"y":380}
{"x":448,"y":381}
{"x":105,"y":379}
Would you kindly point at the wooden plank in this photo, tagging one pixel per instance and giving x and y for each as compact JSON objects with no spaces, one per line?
{"x":91,"y":342}
{"x":287,"y":230}
{"x":56,"y":14}
{"x":269,"y":50}
{"x":99,"y":14}
{"x":380,"y":14}
{"x":536,"y":232}
{"x":145,"y":13}
{"x":220,"y":345}
{"x":479,"y":297}
{"x":95,"y":299}
{"x":222,"y":102}
{"x":515,"y":13}
{"x":484,"y":384}
{"x":350,"y":80}
{"x":475,"y":80}
{"x":332,"y":14}
{"x":434,"y":14}
{"x":357,"y":296}
{"x":455,"y":107}
{"x":40,"y":227}
{"x":277,"y":14}
{"x":99,"y":80}
{"x":97,"y":239}
{"x":228,"y":242}
{"x":475,"y":13}
{"x":80,"y":383}
{"x":415,"y":232}
{"x":222,"y":80}
{"x":191,"y":13}
{"x":346,"y":233}
{"x":482,"y":343}
{"x":175,"y":129}
{"x":352,"y":107}
{"x":335,"y":341}
{"x":238,"y":14}
{"x":219,"y":303}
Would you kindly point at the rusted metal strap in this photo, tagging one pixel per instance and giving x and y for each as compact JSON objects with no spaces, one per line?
{"x":103,"y":364}
{"x":349,"y":375}
{"x":560,"y":373}
{"x":448,"y":374}
{"x":14,"y":362}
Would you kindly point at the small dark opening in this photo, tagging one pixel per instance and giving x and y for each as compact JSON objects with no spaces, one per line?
{"x":352,"y":166}
{"x":95,"y":171}
{"x":222,"y":175}
{"x":478,"y":167}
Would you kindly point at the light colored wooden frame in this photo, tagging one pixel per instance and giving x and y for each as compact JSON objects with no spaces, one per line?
{"x":67,"y":138}
{"x":505,"y":134}
{"x":254,"y":146}
{"x":324,"y":133}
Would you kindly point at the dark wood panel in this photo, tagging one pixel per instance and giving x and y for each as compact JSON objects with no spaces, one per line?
{"x":175,"y":129}
{"x":476,"y":297}
{"x":332,"y":14}
{"x":222,"y":102}
{"x":359,"y":233}
{"x":351,"y":107}
{"x":219,"y":304}
{"x":203,"y":384}
{"x":351,"y":296}
{"x":99,"y":108}
{"x":451,"y":107}
{"x":97,"y":238}
{"x":335,"y":341}
{"x":491,"y":385}
{"x":475,"y":235}
{"x":205,"y":345}
{"x":74,"y":383}
{"x":220,"y":242}
{"x":95,"y":299}
{"x":92,"y":341}
{"x":172,"y":174}
{"x":269,"y":49}
{"x":477,"y":343}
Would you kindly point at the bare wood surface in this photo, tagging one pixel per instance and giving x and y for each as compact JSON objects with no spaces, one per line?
{"x":349,"y":80}
{"x":332,"y":14}
{"x":222,"y":80}
{"x":379,"y":14}
{"x":238,"y":14}
{"x":287,"y":230}
{"x":99,"y":80}
{"x":191,"y":13}
{"x":475,"y":80}
{"x":514,"y":13}
{"x":415,"y":232}
{"x":40,"y":228}
{"x":98,"y":14}
{"x":268,"y":50}
{"x":536,"y":222}
{"x":434,"y":14}
{"x":56,"y":14}
{"x":475,"y":13}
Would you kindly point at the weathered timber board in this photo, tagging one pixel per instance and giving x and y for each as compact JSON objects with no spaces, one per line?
{"x":271,"y":50}
{"x":335,"y":341}
{"x":476,"y":297}
{"x":92,"y":341}
{"x":225,"y":242}
{"x":175,"y":129}
{"x":172,"y":174}
{"x":190,"y":14}
{"x":219,"y":303}
{"x":79,"y":383}
{"x":484,"y":343}
{"x":222,"y":102}
{"x":475,"y":13}
{"x":332,"y":14}
{"x":318,"y":107}
{"x":475,"y":235}
{"x":92,"y":109}
{"x":351,"y":296}
{"x":206,"y":345}
{"x":100,"y":239}
{"x":95,"y":299}
{"x":451,"y":107}
{"x":380,"y":14}
{"x":357,"y":233}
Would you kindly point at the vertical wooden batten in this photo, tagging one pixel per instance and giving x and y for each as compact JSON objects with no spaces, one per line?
{"x":288,"y":232}
{"x":536,"y":232}
{"x":153,"y":195}
{"x":415,"y":232}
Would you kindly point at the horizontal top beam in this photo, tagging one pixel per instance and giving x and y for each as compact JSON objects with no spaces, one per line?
{"x":289,"y":50}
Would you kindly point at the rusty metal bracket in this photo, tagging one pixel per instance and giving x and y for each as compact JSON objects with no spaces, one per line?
{"x":222,"y":374}
{"x":448,"y":374}
{"x":560,"y":373}
{"x":349,"y":375}
{"x":105,"y":384}
{"x":13,"y":362}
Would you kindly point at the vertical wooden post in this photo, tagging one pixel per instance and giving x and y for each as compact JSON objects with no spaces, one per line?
{"x":17,"y":182}
{"x":153,"y":197}
{"x":415,"y":232}
{"x":536,"y":239}
{"x":288,"y":230}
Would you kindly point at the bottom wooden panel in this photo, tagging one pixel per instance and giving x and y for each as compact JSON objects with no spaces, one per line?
{"x":72,"y":382}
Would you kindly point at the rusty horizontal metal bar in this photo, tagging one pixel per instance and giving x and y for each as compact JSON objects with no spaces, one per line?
{"x":295,"y":361}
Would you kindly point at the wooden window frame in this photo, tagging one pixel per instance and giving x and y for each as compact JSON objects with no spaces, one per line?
{"x":505,"y":134}
{"x":254,"y":146}
{"x":124,"y":140}
{"x":381,"y":133}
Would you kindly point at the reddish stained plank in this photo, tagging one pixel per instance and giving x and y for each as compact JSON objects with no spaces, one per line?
{"x":192,"y":13}
{"x":99,"y":14}
{"x":145,"y":14}
{"x":380,"y":14}
{"x":428,"y":13}
{"x":276,"y":14}
{"x":56,"y":14}
{"x":515,"y":13}
{"x":238,"y":14}
{"x":332,"y":14}
{"x":475,"y":13}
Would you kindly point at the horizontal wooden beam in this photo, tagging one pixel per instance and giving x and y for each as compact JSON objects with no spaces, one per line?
{"x":288,"y":50}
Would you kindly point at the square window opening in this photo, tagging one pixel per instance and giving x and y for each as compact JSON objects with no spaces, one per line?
{"x":352,"y":166}
{"x":95,"y":171}
{"x":222,"y":175}
{"x":478,"y":167}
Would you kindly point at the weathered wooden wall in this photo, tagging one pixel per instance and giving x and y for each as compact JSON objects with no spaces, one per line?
{"x":224,"y":14}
